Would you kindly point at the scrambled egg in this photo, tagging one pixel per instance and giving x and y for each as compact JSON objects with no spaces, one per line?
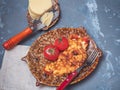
{"x":71,"y":58}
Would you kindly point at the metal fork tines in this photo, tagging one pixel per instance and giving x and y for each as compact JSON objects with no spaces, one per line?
{"x":91,"y":58}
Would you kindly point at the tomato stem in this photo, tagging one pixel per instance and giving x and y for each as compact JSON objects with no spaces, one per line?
{"x":51,"y":51}
{"x":60,"y":39}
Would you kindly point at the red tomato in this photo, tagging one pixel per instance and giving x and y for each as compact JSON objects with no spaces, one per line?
{"x":86,"y":39}
{"x":47,"y":72}
{"x":51,"y":52}
{"x":61,"y":43}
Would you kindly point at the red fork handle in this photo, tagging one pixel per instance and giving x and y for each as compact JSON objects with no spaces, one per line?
{"x":10,"y":43}
{"x":66,"y":82}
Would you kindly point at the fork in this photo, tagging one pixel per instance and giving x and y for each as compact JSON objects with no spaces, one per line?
{"x":91,"y":58}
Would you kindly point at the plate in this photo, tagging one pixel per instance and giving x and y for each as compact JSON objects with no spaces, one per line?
{"x":36,"y":61}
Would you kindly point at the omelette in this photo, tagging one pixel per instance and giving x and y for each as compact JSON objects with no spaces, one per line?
{"x":71,"y":58}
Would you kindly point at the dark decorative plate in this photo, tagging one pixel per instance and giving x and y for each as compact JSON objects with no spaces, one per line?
{"x":36,"y":61}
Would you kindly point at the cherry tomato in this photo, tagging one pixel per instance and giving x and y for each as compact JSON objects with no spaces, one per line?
{"x":51,"y":52}
{"x":61,"y":43}
{"x":86,"y":39}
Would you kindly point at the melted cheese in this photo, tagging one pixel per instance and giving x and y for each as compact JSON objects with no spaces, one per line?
{"x":70,"y":59}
